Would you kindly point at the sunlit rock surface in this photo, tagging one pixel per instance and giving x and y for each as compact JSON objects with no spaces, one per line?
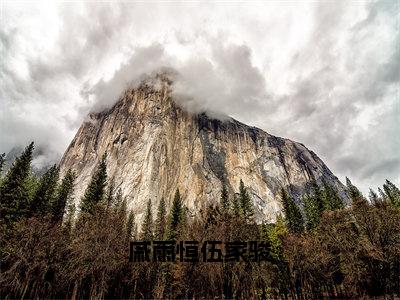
{"x":154,"y":147}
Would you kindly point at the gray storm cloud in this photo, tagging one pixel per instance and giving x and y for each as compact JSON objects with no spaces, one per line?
{"x":325,"y":74}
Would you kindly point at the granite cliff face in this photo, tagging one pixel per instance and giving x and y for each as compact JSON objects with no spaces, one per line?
{"x":155,"y":147}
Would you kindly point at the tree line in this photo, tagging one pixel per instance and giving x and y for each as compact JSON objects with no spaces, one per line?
{"x":320,"y":248}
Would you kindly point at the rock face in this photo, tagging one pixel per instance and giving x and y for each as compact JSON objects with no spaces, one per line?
{"x":154,"y":147}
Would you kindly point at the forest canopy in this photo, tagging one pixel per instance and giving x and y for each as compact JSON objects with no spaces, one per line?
{"x":322,"y":248}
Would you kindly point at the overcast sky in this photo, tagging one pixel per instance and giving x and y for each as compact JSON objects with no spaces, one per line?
{"x":322,"y":73}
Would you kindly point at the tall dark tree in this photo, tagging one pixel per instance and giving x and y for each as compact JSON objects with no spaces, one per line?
{"x":294,"y":219}
{"x":147,"y":226}
{"x":161,"y":221}
{"x":353,"y":192}
{"x":246,"y":205}
{"x":331,"y":199}
{"x":97,"y":187}
{"x":64,"y":196}
{"x":373,"y":197}
{"x":46,"y":192}
{"x":14,"y":193}
{"x":2,"y":161}
{"x":176,"y":216}
{"x":312,"y":211}
{"x":224,"y":200}
{"x":392,"y":192}
{"x":236,"y":205}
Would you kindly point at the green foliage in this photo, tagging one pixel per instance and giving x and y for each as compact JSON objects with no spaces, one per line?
{"x":236,"y":205}
{"x":274,"y":234}
{"x":64,"y":196}
{"x":176,"y":217}
{"x":353,"y":192}
{"x":392,"y":193}
{"x":2,"y":161}
{"x":14,"y":191}
{"x":312,"y":211}
{"x":224,"y":200}
{"x":95,"y":191}
{"x":161,"y":221}
{"x":330,"y":198}
{"x":373,"y":197}
{"x":147,"y":226}
{"x":294,"y":219}
{"x":46,"y":193}
{"x":246,"y":205}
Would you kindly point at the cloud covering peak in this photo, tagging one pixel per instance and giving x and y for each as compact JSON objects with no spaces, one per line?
{"x":322,"y":73}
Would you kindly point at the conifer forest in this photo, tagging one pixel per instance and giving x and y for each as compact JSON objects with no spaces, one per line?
{"x":320,"y":248}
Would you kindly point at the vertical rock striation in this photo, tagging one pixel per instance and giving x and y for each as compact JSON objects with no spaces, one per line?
{"x":155,"y":147}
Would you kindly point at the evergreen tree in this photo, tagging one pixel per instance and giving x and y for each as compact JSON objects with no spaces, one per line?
{"x":246,"y":205}
{"x":392,"y":193}
{"x":161,"y":220}
{"x":382,"y":195}
{"x":331,"y":199}
{"x":353,"y":192}
{"x":176,"y":216}
{"x":2,"y":161}
{"x":45,"y":194}
{"x":312,"y":211}
{"x":236,"y":205}
{"x":63,"y":196}
{"x":14,"y":193}
{"x":373,"y":197}
{"x":96,"y":188}
{"x":294,"y":219}
{"x":147,"y":226}
{"x":224,"y":200}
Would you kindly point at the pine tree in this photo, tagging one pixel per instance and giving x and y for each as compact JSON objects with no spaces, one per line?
{"x":392,"y":193}
{"x":224,"y":200}
{"x":63,"y":196}
{"x":246,"y":205}
{"x":294,"y":219}
{"x":96,"y":188}
{"x":382,"y":195}
{"x":14,"y":193}
{"x":331,"y":199}
{"x":161,"y":220}
{"x":353,"y":192}
{"x":312,"y":211}
{"x":147,"y":226}
{"x":236,"y":205}
{"x":2,"y":161}
{"x":176,"y":216}
{"x":45,"y":194}
{"x":373,"y":197}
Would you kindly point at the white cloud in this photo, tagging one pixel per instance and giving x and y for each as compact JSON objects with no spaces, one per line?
{"x":325,"y":74}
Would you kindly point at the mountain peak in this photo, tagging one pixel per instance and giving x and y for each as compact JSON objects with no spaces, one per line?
{"x":155,"y":147}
